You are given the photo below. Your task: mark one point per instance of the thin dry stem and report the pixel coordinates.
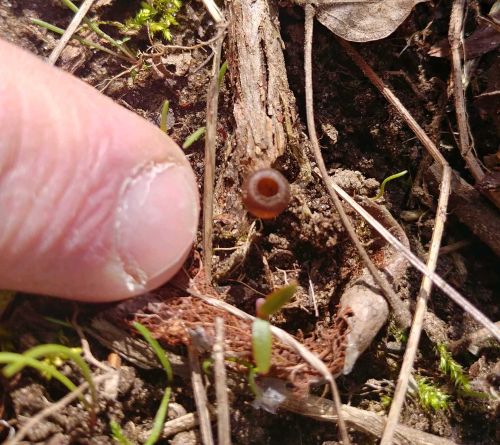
(420, 310)
(200, 397)
(365, 421)
(455, 39)
(426, 285)
(214, 11)
(186, 422)
(401, 312)
(393, 100)
(419, 265)
(70, 30)
(210, 145)
(54, 408)
(223, 424)
(312, 294)
(473, 341)
(87, 352)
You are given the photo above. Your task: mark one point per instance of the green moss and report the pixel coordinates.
(430, 396)
(157, 16)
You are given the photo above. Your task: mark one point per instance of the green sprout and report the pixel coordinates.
(449, 367)
(16, 362)
(121, 46)
(400, 335)
(261, 328)
(57, 360)
(386, 401)
(164, 113)
(161, 414)
(117, 433)
(385, 181)
(157, 16)
(192, 138)
(54, 352)
(222, 73)
(262, 343)
(430, 396)
(88, 43)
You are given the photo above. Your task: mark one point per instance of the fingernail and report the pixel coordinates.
(156, 223)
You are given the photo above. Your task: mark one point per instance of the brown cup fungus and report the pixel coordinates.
(266, 193)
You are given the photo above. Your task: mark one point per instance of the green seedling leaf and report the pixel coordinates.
(164, 113)
(159, 351)
(161, 414)
(160, 417)
(221, 74)
(117, 433)
(276, 300)
(262, 342)
(192, 138)
(385, 181)
(207, 365)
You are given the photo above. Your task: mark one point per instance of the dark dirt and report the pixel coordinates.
(363, 141)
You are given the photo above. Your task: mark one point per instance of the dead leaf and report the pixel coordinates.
(363, 22)
(484, 39)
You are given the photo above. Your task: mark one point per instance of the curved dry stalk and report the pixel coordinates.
(420, 310)
(426, 286)
(54, 408)
(210, 144)
(455, 38)
(214, 11)
(223, 425)
(403, 319)
(452, 293)
(401, 312)
(200, 396)
(70, 30)
(466, 143)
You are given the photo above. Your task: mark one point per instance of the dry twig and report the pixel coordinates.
(420, 310)
(473, 342)
(200, 397)
(214, 11)
(70, 30)
(87, 353)
(440, 219)
(54, 408)
(223, 425)
(210, 142)
(401, 312)
(368, 422)
(435, 278)
(455, 39)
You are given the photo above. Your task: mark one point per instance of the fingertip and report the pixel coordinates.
(97, 210)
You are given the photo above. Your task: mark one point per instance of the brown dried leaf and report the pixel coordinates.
(484, 39)
(363, 22)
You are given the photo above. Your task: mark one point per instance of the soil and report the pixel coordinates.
(363, 140)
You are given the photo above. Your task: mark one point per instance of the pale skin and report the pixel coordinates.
(96, 204)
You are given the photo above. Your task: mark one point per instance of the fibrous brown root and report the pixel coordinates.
(174, 317)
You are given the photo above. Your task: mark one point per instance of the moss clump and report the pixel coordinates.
(157, 16)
